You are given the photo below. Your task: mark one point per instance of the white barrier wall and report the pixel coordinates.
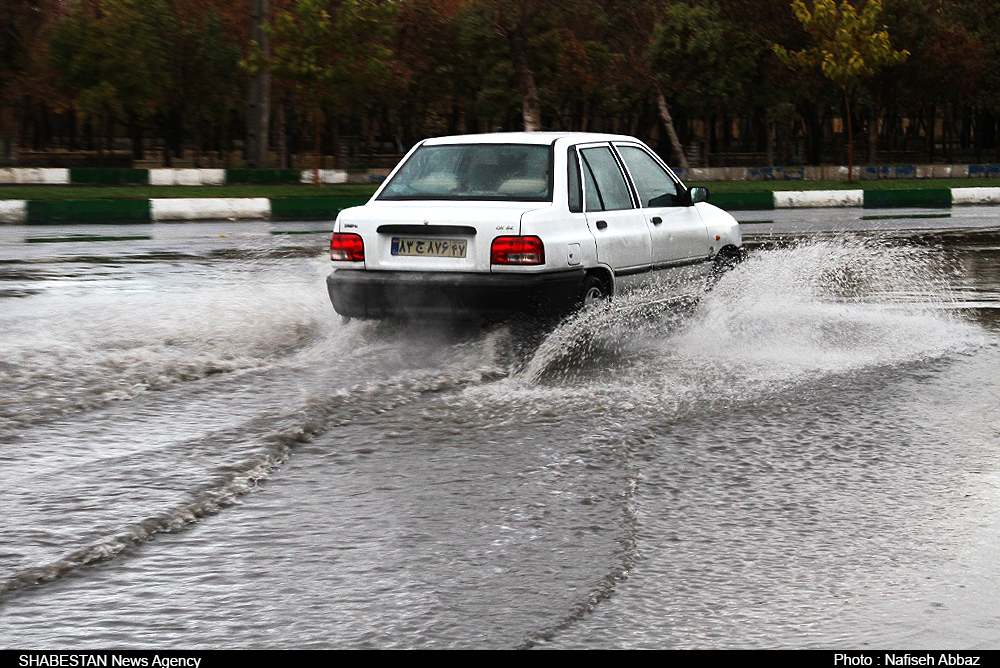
(13, 212)
(221, 208)
(325, 176)
(187, 177)
(975, 195)
(818, 198)
(27, 176)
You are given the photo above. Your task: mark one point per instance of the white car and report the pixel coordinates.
(485, 226)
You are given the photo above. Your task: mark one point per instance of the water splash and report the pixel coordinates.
(93, 350)
(818, 307)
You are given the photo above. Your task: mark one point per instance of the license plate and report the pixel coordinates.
(429, 247)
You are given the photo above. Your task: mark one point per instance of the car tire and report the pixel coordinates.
(594, 291)
(727, 259)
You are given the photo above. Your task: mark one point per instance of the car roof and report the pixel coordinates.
(526, 138)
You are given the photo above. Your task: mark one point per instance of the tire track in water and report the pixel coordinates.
(341, 408)
(854, 307)
(626, 364)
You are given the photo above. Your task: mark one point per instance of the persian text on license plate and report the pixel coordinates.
(429, 247)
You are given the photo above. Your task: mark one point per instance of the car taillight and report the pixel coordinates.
(347, 247)
(517, 250)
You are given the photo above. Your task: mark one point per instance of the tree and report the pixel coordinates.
(26, 81)
(983, 22)
(259, 87)
(430, 87)
(849, 47)
(324, 54)
(684, 34)
(518, 22)
(641, 18)
(109, 56)
(201, 58)
(19, 19)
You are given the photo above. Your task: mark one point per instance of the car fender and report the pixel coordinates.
(567, 238)
(723, 230)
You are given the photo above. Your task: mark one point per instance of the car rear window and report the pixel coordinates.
(500, 172)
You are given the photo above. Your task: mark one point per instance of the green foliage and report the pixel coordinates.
(200, 61)
(18, 19)
(112, 59)
(487, 64)
(404, 69)
(325, 54)
(848, 46)
(982, 19)
(699, 59)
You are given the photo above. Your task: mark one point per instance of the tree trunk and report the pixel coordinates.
(258, 91)
(668, 122)
(873, 134)
(931, 129)
(73, 144)
(531, 109)
(282, 127)
(948, 133)
(317, 118)
(335, 141)
(850, 138)
(135, 128)
(768, 140)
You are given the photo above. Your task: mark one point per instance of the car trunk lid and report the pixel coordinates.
(412, 236)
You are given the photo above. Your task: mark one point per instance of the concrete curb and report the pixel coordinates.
(47, 212)
(932, 198)
(41, 212)
(13, 212)
(221, 208)
(187, 177)
(975, 195)
(87, 211)
(327, 176)
(312, 208)
(918, 198)
(27, 176)
(818, 198)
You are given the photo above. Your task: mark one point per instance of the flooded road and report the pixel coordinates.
(198, 453)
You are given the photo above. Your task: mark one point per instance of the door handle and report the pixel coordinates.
(602, 225)
(656, 220)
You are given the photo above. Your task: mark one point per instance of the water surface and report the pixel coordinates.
(198, 453)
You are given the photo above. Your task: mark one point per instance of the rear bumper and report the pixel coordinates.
(383, 294)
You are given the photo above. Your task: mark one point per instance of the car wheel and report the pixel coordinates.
(727, 260)
(594, 291)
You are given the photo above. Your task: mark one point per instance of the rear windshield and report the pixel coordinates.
(518, 172)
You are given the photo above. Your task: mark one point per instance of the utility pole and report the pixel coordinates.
(259, 90)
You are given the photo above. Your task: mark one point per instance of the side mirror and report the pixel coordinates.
(698, 194)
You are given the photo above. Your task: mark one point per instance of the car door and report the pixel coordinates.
(676, 229)
(621, 231)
